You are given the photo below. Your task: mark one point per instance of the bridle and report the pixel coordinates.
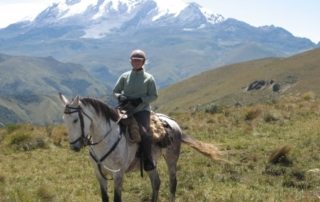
(87, 139)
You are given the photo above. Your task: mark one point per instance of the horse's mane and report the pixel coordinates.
(101, 108)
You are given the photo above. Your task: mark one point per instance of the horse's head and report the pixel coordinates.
(77, 121)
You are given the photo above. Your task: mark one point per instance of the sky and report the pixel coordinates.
(300, 17)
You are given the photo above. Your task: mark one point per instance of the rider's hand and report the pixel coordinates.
(135, 102)
(122, 98)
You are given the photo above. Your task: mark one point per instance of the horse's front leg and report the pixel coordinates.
(118, 181)
(104, 189)
(103, 184)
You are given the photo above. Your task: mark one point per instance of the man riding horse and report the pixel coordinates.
(135, 90)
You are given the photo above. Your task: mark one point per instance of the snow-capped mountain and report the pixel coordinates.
(99, 17)
(181, 39)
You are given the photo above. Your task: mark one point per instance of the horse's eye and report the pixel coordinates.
(75, 121)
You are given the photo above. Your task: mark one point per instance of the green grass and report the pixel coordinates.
(225, 85)
(54, 173)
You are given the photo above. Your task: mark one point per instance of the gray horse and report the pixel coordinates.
(92, 123)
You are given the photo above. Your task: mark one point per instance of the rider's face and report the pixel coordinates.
(137, 62)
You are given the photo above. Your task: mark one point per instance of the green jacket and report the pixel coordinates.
(137, 84)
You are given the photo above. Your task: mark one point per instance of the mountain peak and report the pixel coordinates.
(72, 2)
(97, 18)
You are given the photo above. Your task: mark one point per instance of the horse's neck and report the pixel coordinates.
(104, 131)
(124, 152)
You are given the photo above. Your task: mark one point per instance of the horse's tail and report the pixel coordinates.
(209, 150)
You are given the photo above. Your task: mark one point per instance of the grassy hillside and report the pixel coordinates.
(29, 87)
(226, 85)
(273, 151)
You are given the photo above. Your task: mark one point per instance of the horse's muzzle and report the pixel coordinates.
(76, 146)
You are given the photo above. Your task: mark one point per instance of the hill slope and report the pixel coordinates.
(227, 84)
(30, 86)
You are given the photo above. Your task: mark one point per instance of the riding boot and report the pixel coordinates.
(146, 145)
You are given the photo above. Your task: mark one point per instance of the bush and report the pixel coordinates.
(213, 109)
(45, 194)
(253, 114)
(309, 96)
(296, 179)
(25, 142)
(280, 156)
(272, 116)
(12, 127)
(58, 135)
(2, 178)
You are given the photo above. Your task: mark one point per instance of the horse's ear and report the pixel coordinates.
(64, 100)
(76, 100)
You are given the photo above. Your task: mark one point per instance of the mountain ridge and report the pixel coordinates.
(178, 43)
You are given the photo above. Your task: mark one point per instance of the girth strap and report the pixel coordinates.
(99, 161)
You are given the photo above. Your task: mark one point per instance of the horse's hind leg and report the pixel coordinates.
(155, 182)
(171, 156)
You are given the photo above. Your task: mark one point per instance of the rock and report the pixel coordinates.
(261, 84)
(256, 85)
(276, 87)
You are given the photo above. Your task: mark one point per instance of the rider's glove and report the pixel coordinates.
(135, 102)
(122, 98)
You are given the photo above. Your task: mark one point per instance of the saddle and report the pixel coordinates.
(159, 129)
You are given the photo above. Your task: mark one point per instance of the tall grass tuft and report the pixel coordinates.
(296, 178)
(272, 116)
(26, 142)
(12, 127)
(253, 114)
(213, 109)
(279, 155)
(309, 96)
(58, 135)
(45, 194)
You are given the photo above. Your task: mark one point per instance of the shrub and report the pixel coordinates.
(272, 116)
(49, 129)
(25, 142)
(3, 133)
(279, 156)
(12, 127)
(45, 194)
(253, 114)
(58, 135)
(296, 179)
(19, 138)
(213, 109)
(274, 170)
(309, 96)
(2, 178)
